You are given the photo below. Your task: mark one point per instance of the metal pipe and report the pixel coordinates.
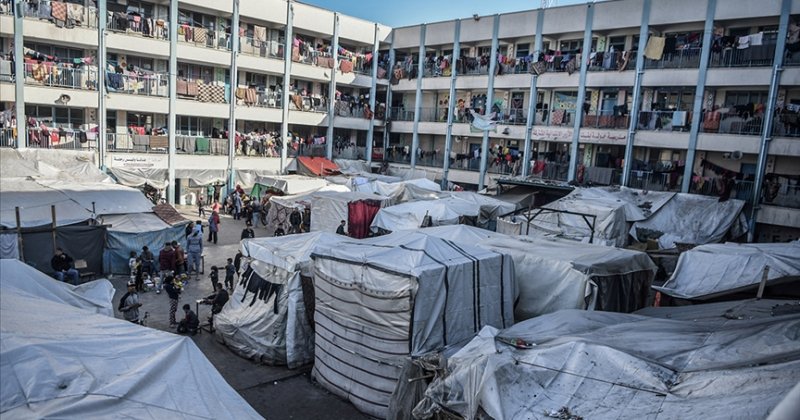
(766, 133)
(332, 88)
(232, 99)
(287, 71)
(697, 111)
(172, 117)
(418, 98)
(586, 49)
(489, 101)
(637, 95)
(372, 99)
(526, 154)
(451, 102)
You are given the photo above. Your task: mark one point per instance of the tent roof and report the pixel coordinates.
(74, 201)
(94, 296)
(292, 184)
(717, 268)
(318, 166)
(135, 222)
(611, 365)
(409, 215)
(50, 164)
(59, 360)
(346, 196)
(168, 214)
(290, 252)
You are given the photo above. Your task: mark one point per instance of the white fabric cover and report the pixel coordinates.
(247, 177)
(55, 164)
(9, 246)
(137, 177)
(61, 361)
(329, 208)
(446, 210)
(382, 299)
(94, 296)
(73, 201)
(554, 274)
(403, 191)
(134, 222)
(714, 268)
(292, 184)
(610, 365)
(256, 331)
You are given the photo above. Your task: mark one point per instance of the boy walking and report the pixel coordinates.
(230, 270)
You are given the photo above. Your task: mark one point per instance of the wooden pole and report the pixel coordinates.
(763, 284)
(53, 227)
(19, 236)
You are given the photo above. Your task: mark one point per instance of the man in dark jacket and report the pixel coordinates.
(295, 219)
(62, 265)
(248, 232)
(167, 260)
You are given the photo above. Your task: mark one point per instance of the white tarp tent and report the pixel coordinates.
(275, 330)
(710, 269)
(450, 209)
(288, 184)
(9, 245)
(382, 299)
(75, 201)
(62, 361)
(329, 208)
(403, 191)
(578, 364)
(53, 164)
(94, 296)
(554, 274)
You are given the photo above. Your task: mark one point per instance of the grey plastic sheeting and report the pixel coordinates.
(81, 242)
(609, 365)
(717, 268)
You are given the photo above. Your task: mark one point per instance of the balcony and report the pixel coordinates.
(159, 144)
(206, 38)
(606, 119)
(52, 74)
(754, 56)
(202, 90)
(265, 49)
(66, 15)
(134, 25)
(612, 61)
(686, 58)
(132, 83)
(739, 122)
(664, 121)
(52, 136)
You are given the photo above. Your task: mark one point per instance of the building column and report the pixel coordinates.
(19, 76)
(387, 120)
(526, 154)
(451, 103)
(489, 101)
(332, 88)
(234, 72)
(418, 97)
(766, 132)
(699, 93)
(372, 93)
(586, 49)
(102, 141)
(637, 94)
(287, 71)
(172, 125)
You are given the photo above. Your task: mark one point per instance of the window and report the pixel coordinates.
(60, 52)
(745, 97)
(255, 79)
(111, 121)
(137, 119)
(143, 9)
(618, 42)
(523, 50)
(635, 45)
(69, 117)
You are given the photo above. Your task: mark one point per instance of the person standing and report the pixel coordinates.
(62, 265)
(213, 226)
(148, 261)
(237, 206)
(307, 220)
(189, 229)
(295, 219)
(216, 206)
(256, 211)
(201, 203)
(214, 276)
(180, 259)
(237, 262)
(174, 294)
(129, 304)
(194, 247)
(230, 270)
(166, 263)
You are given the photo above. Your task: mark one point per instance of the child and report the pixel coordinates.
(133, 263)
(230, 270)
(214, 276)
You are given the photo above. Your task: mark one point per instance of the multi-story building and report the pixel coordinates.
(694, 96)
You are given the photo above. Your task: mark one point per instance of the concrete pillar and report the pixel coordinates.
(287, 71)
(19, 76)
(372, 94)
(637, 94)
(173, 80)
(489, 101)
(418, 98)
(102, 142)
(387, 120)
(576, 130)
(332, 88)
(451, 103)
(526, 155)
(234, 71)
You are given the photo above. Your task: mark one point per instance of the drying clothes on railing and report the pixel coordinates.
(346, 66)
(207, 92)
(655, 48)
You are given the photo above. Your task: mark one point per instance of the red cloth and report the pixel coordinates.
(360, 215)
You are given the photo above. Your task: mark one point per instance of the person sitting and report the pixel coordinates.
(341, 229)
(190, 322)
(218, 299)
(63, 266)
(279, 230)
(248, 232)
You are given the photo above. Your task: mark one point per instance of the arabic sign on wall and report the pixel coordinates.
(130, 162)
(586, 135)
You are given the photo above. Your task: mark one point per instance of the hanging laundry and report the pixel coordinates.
(744, 42)
(59, 11)
(259, 35)
(756, 39)
(655, 48)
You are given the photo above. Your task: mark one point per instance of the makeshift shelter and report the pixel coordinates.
(403, 191)
(714, 269)
(286, 185)
(280, 207)
(54, 164)
(94, 296)
(315, 166)
(384, 299)
(130, 232)
(708, 363)
(275, 329)
(553, 274)
(453, 208)
(63, 361)
(329, 208)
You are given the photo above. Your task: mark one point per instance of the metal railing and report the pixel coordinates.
(152, 84)
(308, 103)
(605, 119)
(742, 190)
(754, 56)
(146, 27)
(784, 194)
(76, 15)
(664, 121)
(612, 61)
(685, 58)
(202, 37)
(732, 123)
(649, 180)
(267, 49)
(59, 75)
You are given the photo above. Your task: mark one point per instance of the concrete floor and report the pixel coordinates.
(276, 392)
